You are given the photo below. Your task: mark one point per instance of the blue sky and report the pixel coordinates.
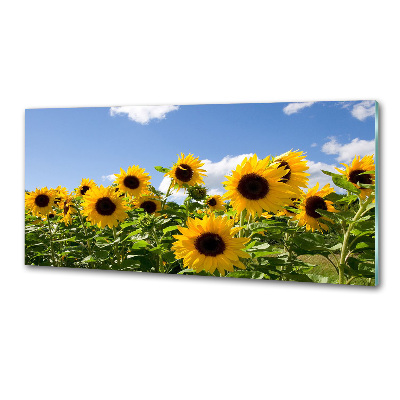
(62, 146)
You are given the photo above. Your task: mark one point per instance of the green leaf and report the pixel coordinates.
(126, 224)
(261, 246)
(344, 184)
(298, 277)
(247, 274)
(330, 173)
(89, 259)
(140, 244)
(162, 169)
(130, 263)
(169, 229)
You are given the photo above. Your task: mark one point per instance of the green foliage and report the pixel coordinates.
(278, 247)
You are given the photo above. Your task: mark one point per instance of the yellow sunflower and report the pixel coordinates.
(40, 201)
(61, 193)
(256, 186)
(86, 184)
(103, 207)
(285, 212)
(209, 244)
(311, 202)
(354, 173)
(134, 181)
(149, 204)
(215, 203)
(52, 215)
(187, 171)
(295, 165)
(67, 210)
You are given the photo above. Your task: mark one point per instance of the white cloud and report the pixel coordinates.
(314, 144)
(293, 108)
(216, 172)
(176, 196)
(109, 177)
(363, 110)
(143, 114)
(317, 176)
(346, 152)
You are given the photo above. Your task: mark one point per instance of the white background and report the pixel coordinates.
(69, 334)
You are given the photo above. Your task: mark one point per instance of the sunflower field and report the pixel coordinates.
(267, 225)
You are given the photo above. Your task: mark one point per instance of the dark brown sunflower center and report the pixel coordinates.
(358, 176)
(212, 202)
(131, 182)
(253, 186)
(84, 189)
(51, 215)
(66, 208)
(42, 200)
(149, 206)
(184, 172)
(285, 177)
(314, 203)
(105, 206)
(210, 244)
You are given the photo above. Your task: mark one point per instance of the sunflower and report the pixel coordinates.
(61, 193)
(311, 202)
(134, 181)
(103, 207)
(354, 173)
(52, 215)
(215, 203)
(209, 244)
(286, 212)
(187, 171)
(256, 186)
(149, 204)
(67, 210)
(295, 165)
(86, 184)
(40, 201)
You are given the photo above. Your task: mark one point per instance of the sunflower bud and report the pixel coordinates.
(197, 192)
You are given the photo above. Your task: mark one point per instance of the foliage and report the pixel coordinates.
(279, 248)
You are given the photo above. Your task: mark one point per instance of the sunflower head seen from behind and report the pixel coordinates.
(295, 165)
(255, 185)
(149, 204)
(209, 244)
(61, 193)
(311, 202)
(355, 173)
(84, 187)
(67, 210)
(187, 171)
(215, 203)
(40, 201)
(134, 181)
(103, 207)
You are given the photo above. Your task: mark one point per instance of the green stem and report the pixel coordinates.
(345, 245)
(241, 223)
(116, 245)
(166, 196)
(160, 265)
(350, 280)
(86, 237)
(53, 258)
(249, 220)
